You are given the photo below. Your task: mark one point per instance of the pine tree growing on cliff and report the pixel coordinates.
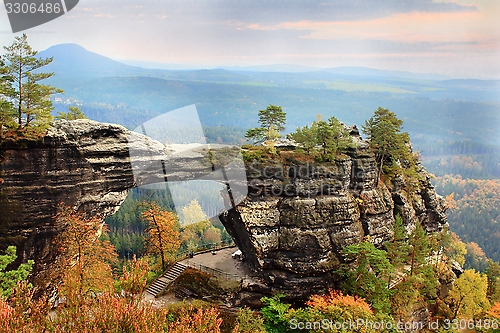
(367, 274)
(386, 139)
(30, 99)
(7, 112)
(306, 137)
(398, 248)
(272, 121)
(419, 249)
(74, 113)
(331, 136)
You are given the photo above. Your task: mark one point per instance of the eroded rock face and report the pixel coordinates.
(291, 227)
(87, 165)
(297, 218)
(83, 164)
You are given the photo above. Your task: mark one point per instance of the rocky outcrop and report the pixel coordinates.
(291, 226)
(298, 217)
(82, 164)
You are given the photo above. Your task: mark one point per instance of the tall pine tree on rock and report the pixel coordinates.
(29, 100)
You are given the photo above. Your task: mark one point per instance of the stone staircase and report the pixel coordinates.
(166, 279)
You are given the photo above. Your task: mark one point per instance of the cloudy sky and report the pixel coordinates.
(459, 38)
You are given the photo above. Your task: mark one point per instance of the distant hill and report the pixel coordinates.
(433, 108)
(284, 68)
(73, 64)
(371, 72)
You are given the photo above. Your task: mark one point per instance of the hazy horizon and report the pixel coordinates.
(459, 38)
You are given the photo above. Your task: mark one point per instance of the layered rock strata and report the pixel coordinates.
(291, 226)
(298, 217)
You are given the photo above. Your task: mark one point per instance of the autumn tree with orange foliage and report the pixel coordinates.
(495, 310)
(162, 232)
(334, 307)
(197, 320)
(24, 313)
(134, 278)
(338, 305)
(85, 258)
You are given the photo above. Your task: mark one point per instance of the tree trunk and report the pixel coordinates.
(20, 109)
(379, 171)
(160, 244)
(412, 261)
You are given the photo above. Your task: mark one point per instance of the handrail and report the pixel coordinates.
(204, 248)
(215, 272)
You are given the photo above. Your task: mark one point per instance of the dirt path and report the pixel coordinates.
(223, 261)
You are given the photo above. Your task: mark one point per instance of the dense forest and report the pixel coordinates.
(127, 226)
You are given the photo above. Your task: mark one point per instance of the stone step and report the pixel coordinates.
(164, 280)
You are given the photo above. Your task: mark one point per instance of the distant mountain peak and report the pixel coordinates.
(67, 46)
(74, 61)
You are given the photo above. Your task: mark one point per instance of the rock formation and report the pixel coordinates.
(291, 227)
(297, 218)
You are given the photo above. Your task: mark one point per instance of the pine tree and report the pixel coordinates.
(272, 121)
(30, 99)
(367, 275)
(387, 140)
(7, 112)
(305, 136)
(398, 249)
(331, 136)
(325, 137)
(419, 249)
(74, 113)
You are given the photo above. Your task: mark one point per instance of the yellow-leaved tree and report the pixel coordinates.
(468, 297)
(193, 213)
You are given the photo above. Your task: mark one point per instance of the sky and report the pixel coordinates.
(457, 38)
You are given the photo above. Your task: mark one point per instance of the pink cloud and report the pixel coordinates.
(408, 27)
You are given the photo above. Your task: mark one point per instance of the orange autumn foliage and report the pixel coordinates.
(6, 311)
(199, 320)
(495, 310)
(85, 261)
(336, 301)
(162, 232)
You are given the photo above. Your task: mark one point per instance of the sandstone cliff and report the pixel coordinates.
(297, 218)
(291, 227)
(87, 165)
(83, 164)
